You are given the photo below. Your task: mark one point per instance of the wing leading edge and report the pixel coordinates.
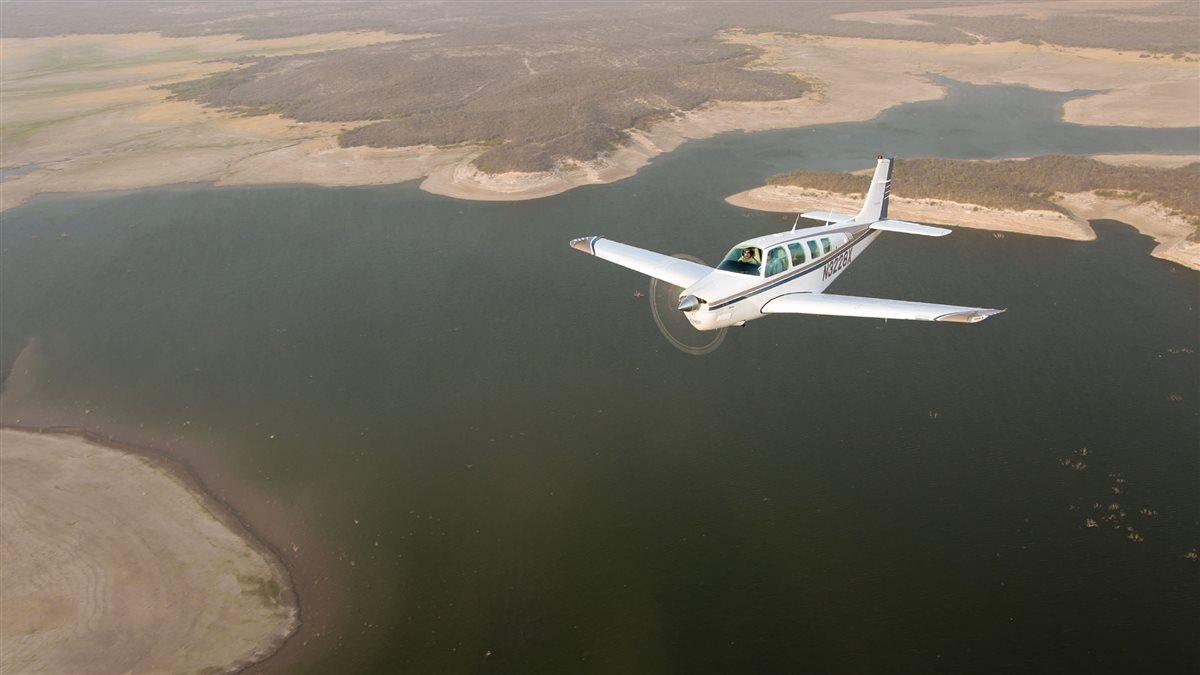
(878, 308)
(681, 273)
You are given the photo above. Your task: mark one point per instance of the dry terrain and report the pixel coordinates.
(522, 101)
(110, 562)
(848, 87)
(86, 112)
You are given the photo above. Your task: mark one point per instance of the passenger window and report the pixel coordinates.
(797, 252)
(777, 261)
(812, 249)
(826, 245)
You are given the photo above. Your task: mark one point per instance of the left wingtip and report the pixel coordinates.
(585, 244)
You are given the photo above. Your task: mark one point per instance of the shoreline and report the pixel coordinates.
(1171, 232)
(226, 515)
(223, 148)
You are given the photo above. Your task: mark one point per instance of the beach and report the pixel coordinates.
(113, 560)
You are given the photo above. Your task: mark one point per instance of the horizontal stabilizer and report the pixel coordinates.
(674, 271)
(909, 228)
(827, 216)
(846, 305)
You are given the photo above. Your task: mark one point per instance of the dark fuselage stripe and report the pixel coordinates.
(793, 274)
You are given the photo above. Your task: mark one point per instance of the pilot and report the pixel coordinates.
(748, 256)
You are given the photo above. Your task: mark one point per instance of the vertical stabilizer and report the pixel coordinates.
(876, 206)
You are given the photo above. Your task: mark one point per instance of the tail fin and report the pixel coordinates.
(876, 206)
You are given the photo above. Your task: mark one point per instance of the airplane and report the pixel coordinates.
(793, 275)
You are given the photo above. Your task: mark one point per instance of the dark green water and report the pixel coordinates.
(477, 441)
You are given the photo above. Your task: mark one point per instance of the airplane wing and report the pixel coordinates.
(827, 216)
(681, 273)
(909, 228)
(847, 305)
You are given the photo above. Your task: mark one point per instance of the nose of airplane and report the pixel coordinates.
(689, 303)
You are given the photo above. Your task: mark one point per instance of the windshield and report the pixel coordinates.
(742, 259)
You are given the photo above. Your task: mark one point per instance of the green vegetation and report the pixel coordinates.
(1022, 184)
(265, 590)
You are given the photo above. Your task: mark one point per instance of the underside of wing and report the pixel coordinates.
(909, 228)
(878, 308)
(827, 216)
(681, 273)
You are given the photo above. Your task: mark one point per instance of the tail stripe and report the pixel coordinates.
(876, 205)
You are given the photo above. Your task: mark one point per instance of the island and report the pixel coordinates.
(1053, 195)
(114, 560)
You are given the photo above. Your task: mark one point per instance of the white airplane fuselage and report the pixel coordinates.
(732, 298)
(788, 272)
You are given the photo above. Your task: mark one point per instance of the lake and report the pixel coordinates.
(477, 453)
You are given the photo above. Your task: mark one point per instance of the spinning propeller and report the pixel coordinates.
(669, 312)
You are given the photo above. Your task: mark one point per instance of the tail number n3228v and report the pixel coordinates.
(837, 263)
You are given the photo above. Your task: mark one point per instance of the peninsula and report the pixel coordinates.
(114, 561)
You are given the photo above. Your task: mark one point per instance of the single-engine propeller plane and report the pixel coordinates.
(788, 272)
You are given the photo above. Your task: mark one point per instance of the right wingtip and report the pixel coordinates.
(972, 316)
(585, 244)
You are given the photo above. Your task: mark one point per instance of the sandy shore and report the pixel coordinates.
(112, 561)
(106, 126)
(106, 123)
(790, 199)
(1155, 161)
(1170, 231)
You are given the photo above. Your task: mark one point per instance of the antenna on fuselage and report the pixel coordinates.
(796, 223)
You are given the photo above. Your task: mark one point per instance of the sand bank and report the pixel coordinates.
(105, 123)
(1154, 161)
(111, 561)
(1172, 232)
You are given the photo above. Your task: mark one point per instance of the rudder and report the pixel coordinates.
(876, 206)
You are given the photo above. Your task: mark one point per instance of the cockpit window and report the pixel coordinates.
(776, 261)
(743, 259)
